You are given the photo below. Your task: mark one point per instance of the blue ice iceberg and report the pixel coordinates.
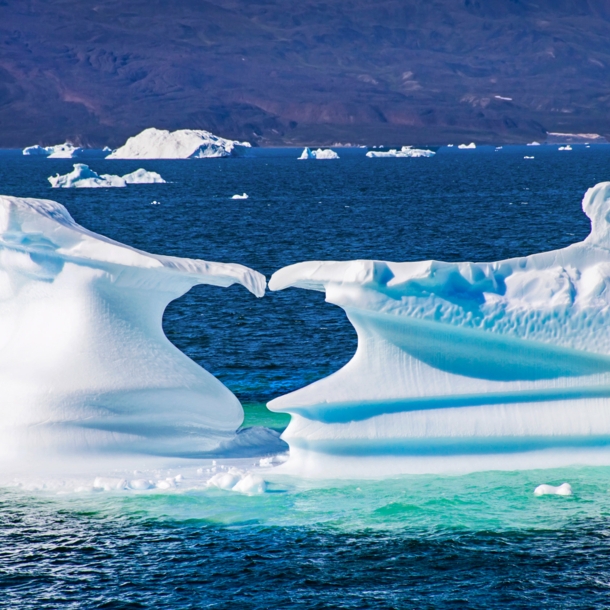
(464, 365)
(85, 368)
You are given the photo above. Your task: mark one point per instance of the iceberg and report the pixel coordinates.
(318, 154)
(182, 144)
(463, 366)
(242, 196)
(565, 489)
(467, 146)
(59, 151)
(566, 147)
(404, 152)
(85, 368)
(84, 177)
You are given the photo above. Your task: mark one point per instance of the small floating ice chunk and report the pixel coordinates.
(242, 196)
(239, 481)
(404, 152)
(534, 143)
(31, 151)
(566, 147)
(467, 146)
(82, 176)
(109, 484)
(319, 154)
(565, 489)
(526, 157)
(140, 484)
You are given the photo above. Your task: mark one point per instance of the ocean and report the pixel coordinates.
(481, 540)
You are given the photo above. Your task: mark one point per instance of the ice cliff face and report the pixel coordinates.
(464, 359)
(85, 368)
(59, 151)
(182, 144)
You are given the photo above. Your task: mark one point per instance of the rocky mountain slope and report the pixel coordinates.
(304, 71)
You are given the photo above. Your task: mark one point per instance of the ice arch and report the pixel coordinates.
(85, 367)
(464, 365)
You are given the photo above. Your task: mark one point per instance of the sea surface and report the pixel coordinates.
(481, 540)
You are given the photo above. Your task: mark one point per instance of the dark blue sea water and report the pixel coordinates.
(478, 541)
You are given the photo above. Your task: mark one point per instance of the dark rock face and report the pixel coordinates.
(304, 71)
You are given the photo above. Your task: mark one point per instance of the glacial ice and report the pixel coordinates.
(59, 151)
(404, 152)
(467, 146)
(242, 196)
(85, 368)
(182, 144)
(565, 489)
(566, 147)
(319, 154)
(84, 177)
(238, 480)
(463, 366)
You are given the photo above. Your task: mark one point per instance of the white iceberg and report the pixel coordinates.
(528, 157)
(182, 144)
(238, 480)
(565, 489)
(467, 146)
(59, 151)
(534, 143)
(85, 368)
(463, 366)
(566, 147)
(404, 152)
(318, 154)
(84, 177)
(242, 196)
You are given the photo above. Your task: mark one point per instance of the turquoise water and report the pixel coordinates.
(480, 540)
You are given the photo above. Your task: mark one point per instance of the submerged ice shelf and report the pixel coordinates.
(464, 365)
(85, 367)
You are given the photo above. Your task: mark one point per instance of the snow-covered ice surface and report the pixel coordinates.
(85, 368)
(82, 176)
(59, 151)
(181, 144)
(320, 154)
(462, 366)
(404, 152)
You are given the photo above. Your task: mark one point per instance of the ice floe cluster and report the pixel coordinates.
(181, 144)
(320, 153)
(82, 176)
(59, 151)
(404, 152)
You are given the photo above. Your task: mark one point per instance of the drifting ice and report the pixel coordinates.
(85, 368)
(182, 144)
(565, 489)
(405, 151)
(318, 154)
(59, 151)
(84, 177)
(501, 364)
(467, 146)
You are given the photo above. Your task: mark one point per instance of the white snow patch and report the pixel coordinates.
(182, 144)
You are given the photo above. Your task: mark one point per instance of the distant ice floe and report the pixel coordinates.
(319, 154)
(182, 144)
(85, 368)
(566, 147)
(467, 146)
(242, 196)
(565, 489)
(462, 366)
(528, 157)
(59, 151)
(84, 177)
(404, 152)
(534, 143)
